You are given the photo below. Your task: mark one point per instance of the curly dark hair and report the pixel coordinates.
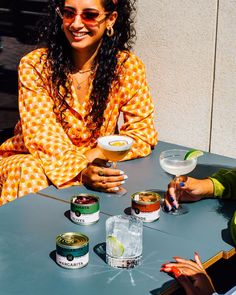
(60, 58)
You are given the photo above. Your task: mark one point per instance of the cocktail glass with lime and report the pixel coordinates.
(124, 241)
(115, 148)
(179, 162)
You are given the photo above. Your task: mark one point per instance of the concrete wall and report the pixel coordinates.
(189, 49)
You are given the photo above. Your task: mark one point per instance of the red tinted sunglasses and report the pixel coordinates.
(88, 16)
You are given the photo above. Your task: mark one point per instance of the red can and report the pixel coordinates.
(146, 205)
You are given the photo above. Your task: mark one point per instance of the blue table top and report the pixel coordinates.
(30, 225)
(207, 220)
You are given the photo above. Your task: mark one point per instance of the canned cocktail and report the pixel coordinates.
(146, 206)
(84, 209)
(124, 243)
(72, 250)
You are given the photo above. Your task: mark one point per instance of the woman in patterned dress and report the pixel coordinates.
(71, 92)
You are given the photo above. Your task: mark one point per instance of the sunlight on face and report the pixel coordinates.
(81, 35)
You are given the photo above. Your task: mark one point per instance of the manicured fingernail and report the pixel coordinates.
(176, 271)
(172, 198)
(125, 176)
(175, 206)
(115, 189)
(196, 255)
(181, 184)
(122, 182)
(176, 257)
(163, 265)
(122, 172)
(167, 208)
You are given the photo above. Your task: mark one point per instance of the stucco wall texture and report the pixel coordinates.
(189, 49)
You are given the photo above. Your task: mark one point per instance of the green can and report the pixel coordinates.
(84, 209)
(72, 250)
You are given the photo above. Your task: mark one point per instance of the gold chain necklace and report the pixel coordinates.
(79, 84)
(85, 71)
(91, 70)
(78, 87)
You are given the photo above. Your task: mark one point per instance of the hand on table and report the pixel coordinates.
(186, 189)
(99, 176)
(191, 275)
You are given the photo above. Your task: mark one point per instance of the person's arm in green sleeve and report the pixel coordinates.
(225, 183)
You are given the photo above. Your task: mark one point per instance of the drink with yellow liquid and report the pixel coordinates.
(115, 148)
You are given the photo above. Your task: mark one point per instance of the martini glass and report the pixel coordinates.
(172, 162)
(114, 148)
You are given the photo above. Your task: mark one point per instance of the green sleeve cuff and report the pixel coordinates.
(233, 228)
(218, 187)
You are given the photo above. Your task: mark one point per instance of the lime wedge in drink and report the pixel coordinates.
(115, 246)
(192, 154)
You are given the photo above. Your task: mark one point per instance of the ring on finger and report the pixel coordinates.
(100, 173)
(182, 178)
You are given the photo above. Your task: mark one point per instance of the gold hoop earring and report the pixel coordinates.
(110, 31)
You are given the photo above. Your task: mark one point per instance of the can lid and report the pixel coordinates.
(146, 197)
(71, 240)
(85, 198)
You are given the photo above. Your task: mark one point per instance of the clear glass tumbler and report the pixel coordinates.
(124, 241)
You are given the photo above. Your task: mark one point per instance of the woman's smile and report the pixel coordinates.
(79, 35)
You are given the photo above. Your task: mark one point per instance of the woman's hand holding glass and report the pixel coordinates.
(99, 175)
(187, 189)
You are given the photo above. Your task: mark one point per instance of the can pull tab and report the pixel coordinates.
(68, 240)
(136, 198)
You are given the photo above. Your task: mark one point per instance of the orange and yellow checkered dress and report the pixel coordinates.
(44, 152)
